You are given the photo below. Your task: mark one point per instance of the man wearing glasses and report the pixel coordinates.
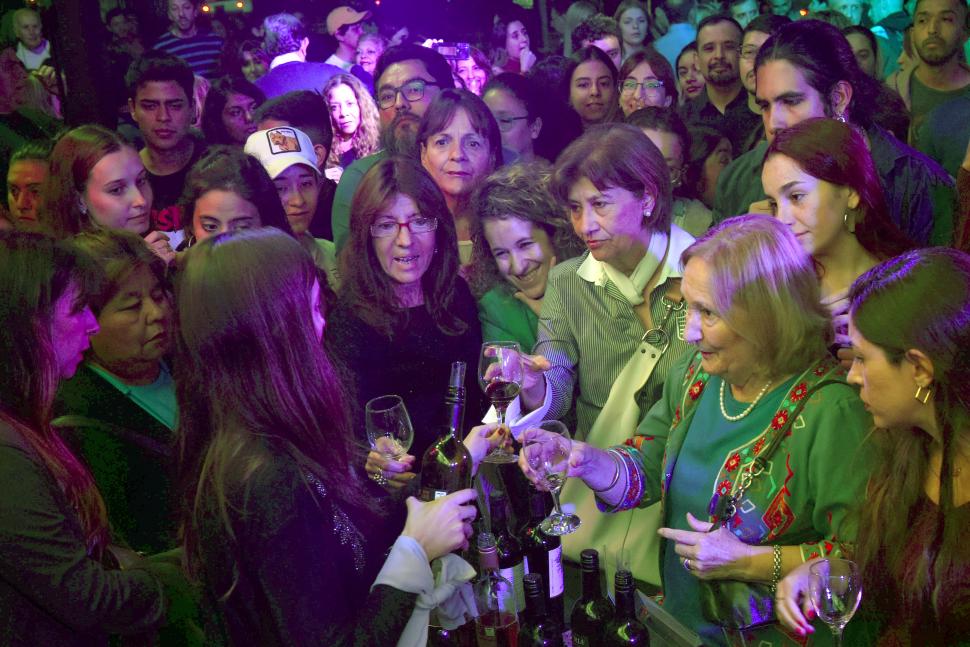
(407, 79)
(755, 35)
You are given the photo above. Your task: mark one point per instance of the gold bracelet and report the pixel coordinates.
(776, 567)
(616, 476)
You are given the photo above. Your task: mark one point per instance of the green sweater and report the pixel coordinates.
(505, 318)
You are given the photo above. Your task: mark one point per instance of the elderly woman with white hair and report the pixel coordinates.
(753, 447)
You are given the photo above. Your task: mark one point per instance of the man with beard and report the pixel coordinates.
(939, 33)
(201, 50)
(723, 105)
(755, 34)
(408, 78)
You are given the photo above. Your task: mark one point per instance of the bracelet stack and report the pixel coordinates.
(616, 474)
(775, 568)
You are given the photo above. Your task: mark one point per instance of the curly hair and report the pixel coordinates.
(517, 191)
(366, 139)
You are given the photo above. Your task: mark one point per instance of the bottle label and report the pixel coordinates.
(429, 494)
(556, 584)
(515, 575)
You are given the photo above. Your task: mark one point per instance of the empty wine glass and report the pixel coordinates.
(500, 376)
(835, 587)
(547, 449)
(389, 427)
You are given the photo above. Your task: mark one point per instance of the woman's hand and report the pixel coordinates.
(533, 391)
(838, 307)
(443, 525)
(481, 440)
(593, 465)
(717, 555)
(391, 474)
(792, 603)
(526, 60)
(157, 241)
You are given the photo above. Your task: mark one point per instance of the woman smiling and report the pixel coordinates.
(522, 233)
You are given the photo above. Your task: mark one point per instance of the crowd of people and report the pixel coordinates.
(730, 238)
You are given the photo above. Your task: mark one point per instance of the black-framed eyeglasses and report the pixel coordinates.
(389, 228)
(505, 124)
(650, 85)
(413, 90)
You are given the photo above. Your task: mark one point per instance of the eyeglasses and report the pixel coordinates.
(413, 90)
(748, 52)
(389, 228)
(505, 124)
(650, 85)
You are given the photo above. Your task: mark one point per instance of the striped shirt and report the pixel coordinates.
(588, 332)
(201, 51)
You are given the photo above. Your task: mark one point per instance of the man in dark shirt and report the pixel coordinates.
(286, 42)
(201, 50)
(160, 100)
(723, 105)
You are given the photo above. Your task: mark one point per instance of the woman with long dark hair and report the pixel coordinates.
(821, 181)
(54, 586)
(279, 523)
(589, 86)
(910, 329)
(228, 190)
(227, 117)
(403, 311)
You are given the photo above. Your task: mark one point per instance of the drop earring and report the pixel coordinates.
(923, 394)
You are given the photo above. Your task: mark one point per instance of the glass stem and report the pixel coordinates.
(837, 632)
(556, 509)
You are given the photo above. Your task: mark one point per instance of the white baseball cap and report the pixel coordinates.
(277, 149)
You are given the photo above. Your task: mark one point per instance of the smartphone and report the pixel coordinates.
(452, 51)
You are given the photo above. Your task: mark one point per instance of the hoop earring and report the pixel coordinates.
(840, 116)
(923, 394)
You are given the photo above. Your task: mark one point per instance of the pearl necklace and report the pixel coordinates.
(751, 406)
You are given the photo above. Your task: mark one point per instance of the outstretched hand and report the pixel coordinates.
(709, 555)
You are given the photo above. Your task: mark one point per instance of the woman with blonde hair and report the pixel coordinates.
(753, 447)
(355, 120)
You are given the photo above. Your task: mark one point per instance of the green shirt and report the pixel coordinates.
(505, 318)
(923, 100)
(157, 398)
(344, 195)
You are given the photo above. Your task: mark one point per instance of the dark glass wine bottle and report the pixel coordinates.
(538, 628)
(543, 555)
(497, 624)
(593, 610)
(510, 556)
(624, 629)
(447, 466)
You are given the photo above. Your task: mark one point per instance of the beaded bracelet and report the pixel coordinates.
(616, 475)
(776, 567)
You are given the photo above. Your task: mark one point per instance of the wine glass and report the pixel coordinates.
(835, 587)
(547, 449)
(500, 376)
(389, 427)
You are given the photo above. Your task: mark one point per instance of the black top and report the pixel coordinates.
(737, 122)
(301, 565)
(415, 364)
(167, 189)
(51, 591)
(130, 454)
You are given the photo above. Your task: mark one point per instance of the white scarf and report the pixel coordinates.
(631, 287)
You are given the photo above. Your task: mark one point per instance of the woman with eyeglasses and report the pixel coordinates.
(403, 314)
(515, 104)
(646, 79)
(670, 135)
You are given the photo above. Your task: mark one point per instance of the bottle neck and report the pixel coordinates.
(625, 607)
(535, 606)
(537, 508)
(591, 584)
(488, 560)
(455, 411)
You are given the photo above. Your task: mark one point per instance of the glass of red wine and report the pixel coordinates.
(500, 376)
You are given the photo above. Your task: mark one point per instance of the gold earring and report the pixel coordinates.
(923, 394)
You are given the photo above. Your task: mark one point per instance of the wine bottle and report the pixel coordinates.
(511, 560)
(624, 629)
(538, 628)
(497, 623)
(543, 555)
(446, 466)
(593, 610)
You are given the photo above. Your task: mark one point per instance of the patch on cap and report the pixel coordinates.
(283, 140)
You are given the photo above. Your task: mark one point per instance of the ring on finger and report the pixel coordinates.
(687, 563)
